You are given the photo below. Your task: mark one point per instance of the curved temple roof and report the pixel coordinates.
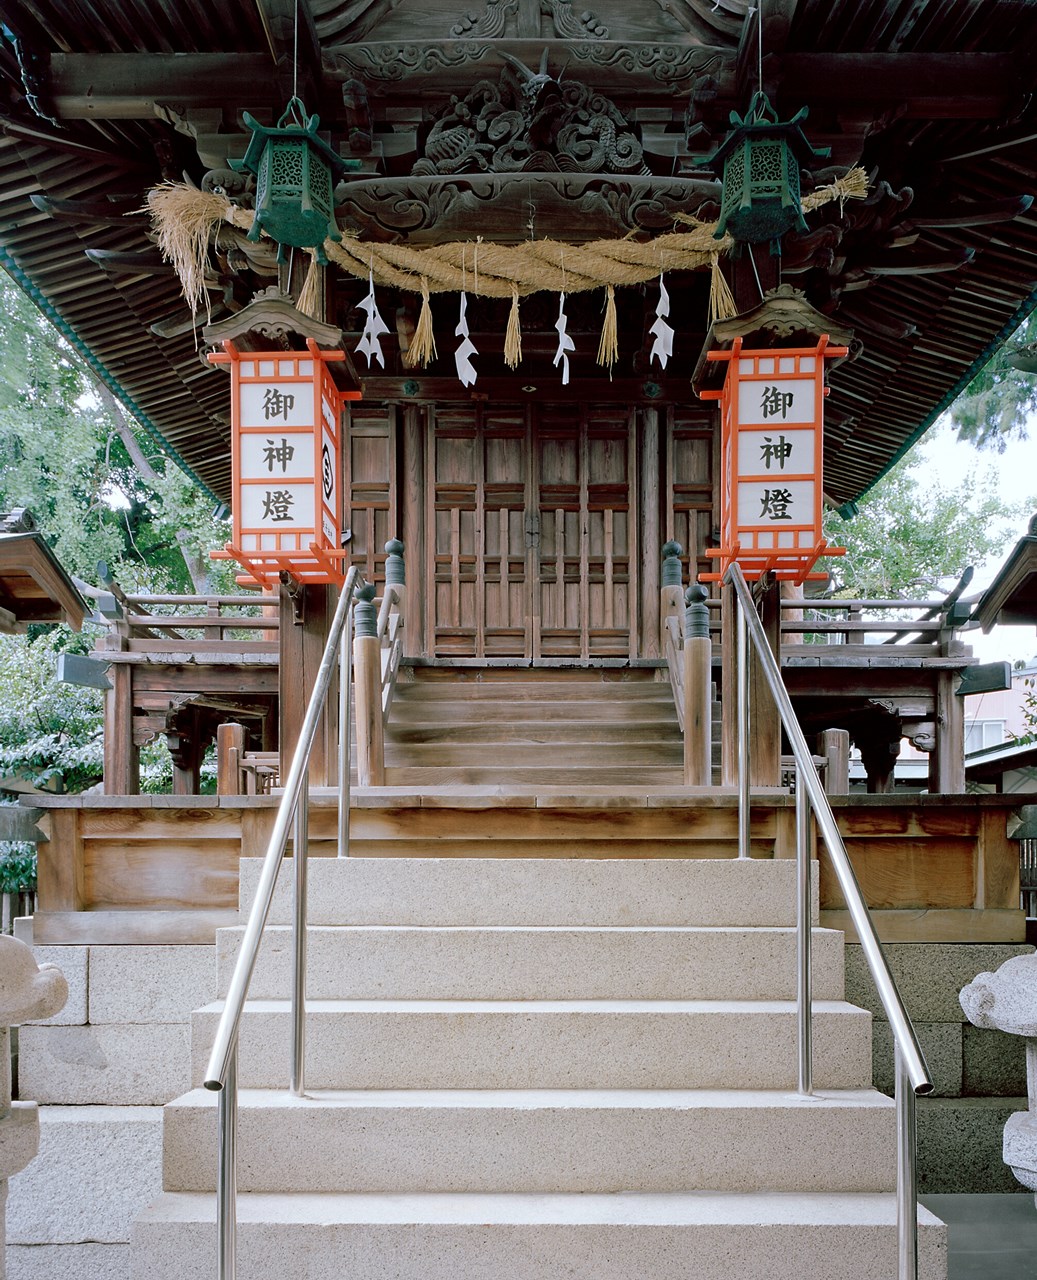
(935, 100)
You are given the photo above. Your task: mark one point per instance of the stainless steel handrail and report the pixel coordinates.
(221, 1072)
(912, 1074)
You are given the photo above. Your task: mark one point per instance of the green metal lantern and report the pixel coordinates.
(295, 174)
(762, 158)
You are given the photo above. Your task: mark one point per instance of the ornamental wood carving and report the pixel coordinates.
(449, 66)
(584, 206)
(530, 122)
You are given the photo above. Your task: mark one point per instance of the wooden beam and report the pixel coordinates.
(285, 43)
(965, 85)
(128, 86)
(418, 389)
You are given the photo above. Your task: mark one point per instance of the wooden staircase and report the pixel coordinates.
(517, 727)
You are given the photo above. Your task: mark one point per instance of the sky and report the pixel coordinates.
(1015, 472)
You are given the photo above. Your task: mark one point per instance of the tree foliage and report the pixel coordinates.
(97, 486)
(996, 405)
(99, 489)
(913, 535)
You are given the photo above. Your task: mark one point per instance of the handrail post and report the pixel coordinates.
(671, 584)
(226, 1172)
(804, 925)
(396, 575)
(297, 1081)
(698, 662)
(742, 651)
(370, 747)
(907, 1187)
(345, 676)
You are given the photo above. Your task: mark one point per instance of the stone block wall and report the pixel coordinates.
(980, 1075)
(101, 1069)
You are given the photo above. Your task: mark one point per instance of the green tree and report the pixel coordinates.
(913, 534)
(98, 487)
(997, 404)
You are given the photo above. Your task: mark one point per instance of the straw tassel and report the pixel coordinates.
(310, 293)
(721, 299)
(423, 344)
(608, 347)
(513, 335)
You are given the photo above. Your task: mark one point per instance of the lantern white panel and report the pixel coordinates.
(279, 507)
(277, 456)
(776, 452)
(329, 476)
(775, 402)
(775, 504)
(276, 404)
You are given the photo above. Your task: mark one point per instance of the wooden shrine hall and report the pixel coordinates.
(530, 224)
(530, 342)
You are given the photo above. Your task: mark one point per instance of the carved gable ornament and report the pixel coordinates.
(531, 122)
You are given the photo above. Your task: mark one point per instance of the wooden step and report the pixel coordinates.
(459, 710)
(519, 755)
(642, 775)
(530, 733)
(537, 690)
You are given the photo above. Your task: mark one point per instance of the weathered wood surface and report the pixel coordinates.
(934, 868)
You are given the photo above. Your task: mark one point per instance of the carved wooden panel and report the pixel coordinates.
(532, 532)
(585, 594)
(478, 464)
(370, 485)
(690, 448)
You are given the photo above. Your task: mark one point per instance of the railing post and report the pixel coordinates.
(835, 747)
(742, 666)
(226, 1172)
(698, 663)
(396, 575)
(300, 861)
(671, 598)
(345, 679)
(370, 740)
(907, 1187)
(230, 746)
(804, 924)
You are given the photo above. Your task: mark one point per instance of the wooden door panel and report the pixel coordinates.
(689, 484)
(533, 533)
(585, 494)
(370, 486)
(478, 481)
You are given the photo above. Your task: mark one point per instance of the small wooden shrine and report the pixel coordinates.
(526, 224)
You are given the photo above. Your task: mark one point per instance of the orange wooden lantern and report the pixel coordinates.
(771, 438)
(286, 414)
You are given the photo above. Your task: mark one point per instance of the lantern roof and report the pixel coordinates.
(761, 121)
(292, 126)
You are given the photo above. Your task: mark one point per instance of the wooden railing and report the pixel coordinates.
(192, 624)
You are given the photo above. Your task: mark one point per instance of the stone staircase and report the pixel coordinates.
(540, 1068)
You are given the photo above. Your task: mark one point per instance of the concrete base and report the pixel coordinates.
(68, 1262)
(97, 1168)
(539, 1044)
(530, 1237)
(540, 1140)
(960, 1145)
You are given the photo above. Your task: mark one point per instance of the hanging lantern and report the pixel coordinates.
(285, 446)
(771, 435)
(295, 174)
(762, 158)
